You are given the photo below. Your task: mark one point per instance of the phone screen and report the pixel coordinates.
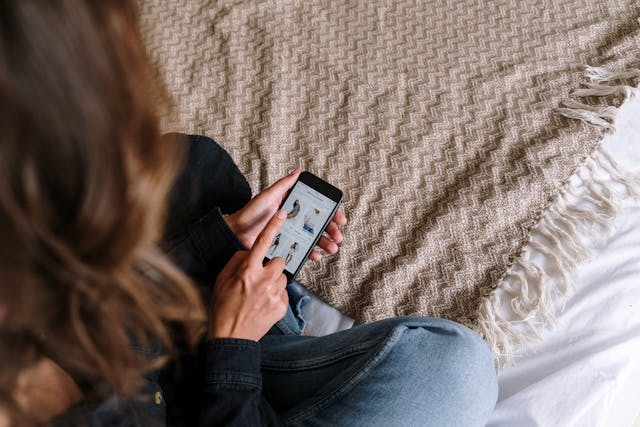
(307, 212)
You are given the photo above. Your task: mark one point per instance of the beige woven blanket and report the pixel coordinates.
(436, 118)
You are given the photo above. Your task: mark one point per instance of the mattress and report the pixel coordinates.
(586, 371)
(318, 84)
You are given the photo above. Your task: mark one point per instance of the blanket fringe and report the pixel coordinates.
(527, 291)
(598, 86)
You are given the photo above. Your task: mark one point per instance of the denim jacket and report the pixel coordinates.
(230, 390)
(220, 384)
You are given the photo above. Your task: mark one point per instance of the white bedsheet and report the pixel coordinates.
(586, 372)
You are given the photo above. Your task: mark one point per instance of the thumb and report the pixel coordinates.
(284, 184)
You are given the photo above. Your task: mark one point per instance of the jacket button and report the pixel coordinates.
(157, 398)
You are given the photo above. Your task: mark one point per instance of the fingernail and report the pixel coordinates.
(293, 171)
(281, 214)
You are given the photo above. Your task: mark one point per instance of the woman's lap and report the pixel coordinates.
(411, 371)
(399, 371)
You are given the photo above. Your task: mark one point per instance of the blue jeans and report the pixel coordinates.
(406, 371)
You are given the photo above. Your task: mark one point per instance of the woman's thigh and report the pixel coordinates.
(400, 372)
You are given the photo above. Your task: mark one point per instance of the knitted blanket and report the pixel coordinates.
(449, 125)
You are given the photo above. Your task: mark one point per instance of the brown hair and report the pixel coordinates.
(84, 178)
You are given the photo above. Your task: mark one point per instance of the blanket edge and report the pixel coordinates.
(527, 285)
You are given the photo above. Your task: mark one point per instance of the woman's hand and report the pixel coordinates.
(249, 298)
(249, 221)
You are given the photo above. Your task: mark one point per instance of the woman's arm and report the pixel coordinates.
(249, 298)
(233, 386)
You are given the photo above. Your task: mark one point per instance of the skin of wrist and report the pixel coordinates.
(215, 330)
(231, 222)
(234, 224)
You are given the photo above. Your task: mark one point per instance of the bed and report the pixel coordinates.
(586, 371)
(440, 121)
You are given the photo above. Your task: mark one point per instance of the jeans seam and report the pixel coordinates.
(318, 362)
(351, 381)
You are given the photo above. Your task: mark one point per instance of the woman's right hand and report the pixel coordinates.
(248, 297)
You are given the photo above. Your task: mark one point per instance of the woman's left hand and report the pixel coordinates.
(248, 222)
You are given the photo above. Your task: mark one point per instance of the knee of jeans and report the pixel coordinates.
(460, 356)
(468, 361)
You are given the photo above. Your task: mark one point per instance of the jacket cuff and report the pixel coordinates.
(234, 362)
(212, 250)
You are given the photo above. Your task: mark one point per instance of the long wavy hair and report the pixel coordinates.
(84, 178)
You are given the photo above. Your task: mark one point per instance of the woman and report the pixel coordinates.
(275, 244)
(91, 308)
(292, 250)
(295, 210)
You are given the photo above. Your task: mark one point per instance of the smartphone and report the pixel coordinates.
(310, 206)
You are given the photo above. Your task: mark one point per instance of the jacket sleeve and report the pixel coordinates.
(233, 386)
(232, 391)
(204, 249)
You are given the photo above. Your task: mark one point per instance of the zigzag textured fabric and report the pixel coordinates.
(436, 118)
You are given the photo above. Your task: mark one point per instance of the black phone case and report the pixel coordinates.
(325, 189)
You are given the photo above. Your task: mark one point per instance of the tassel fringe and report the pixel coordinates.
(542, 273)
